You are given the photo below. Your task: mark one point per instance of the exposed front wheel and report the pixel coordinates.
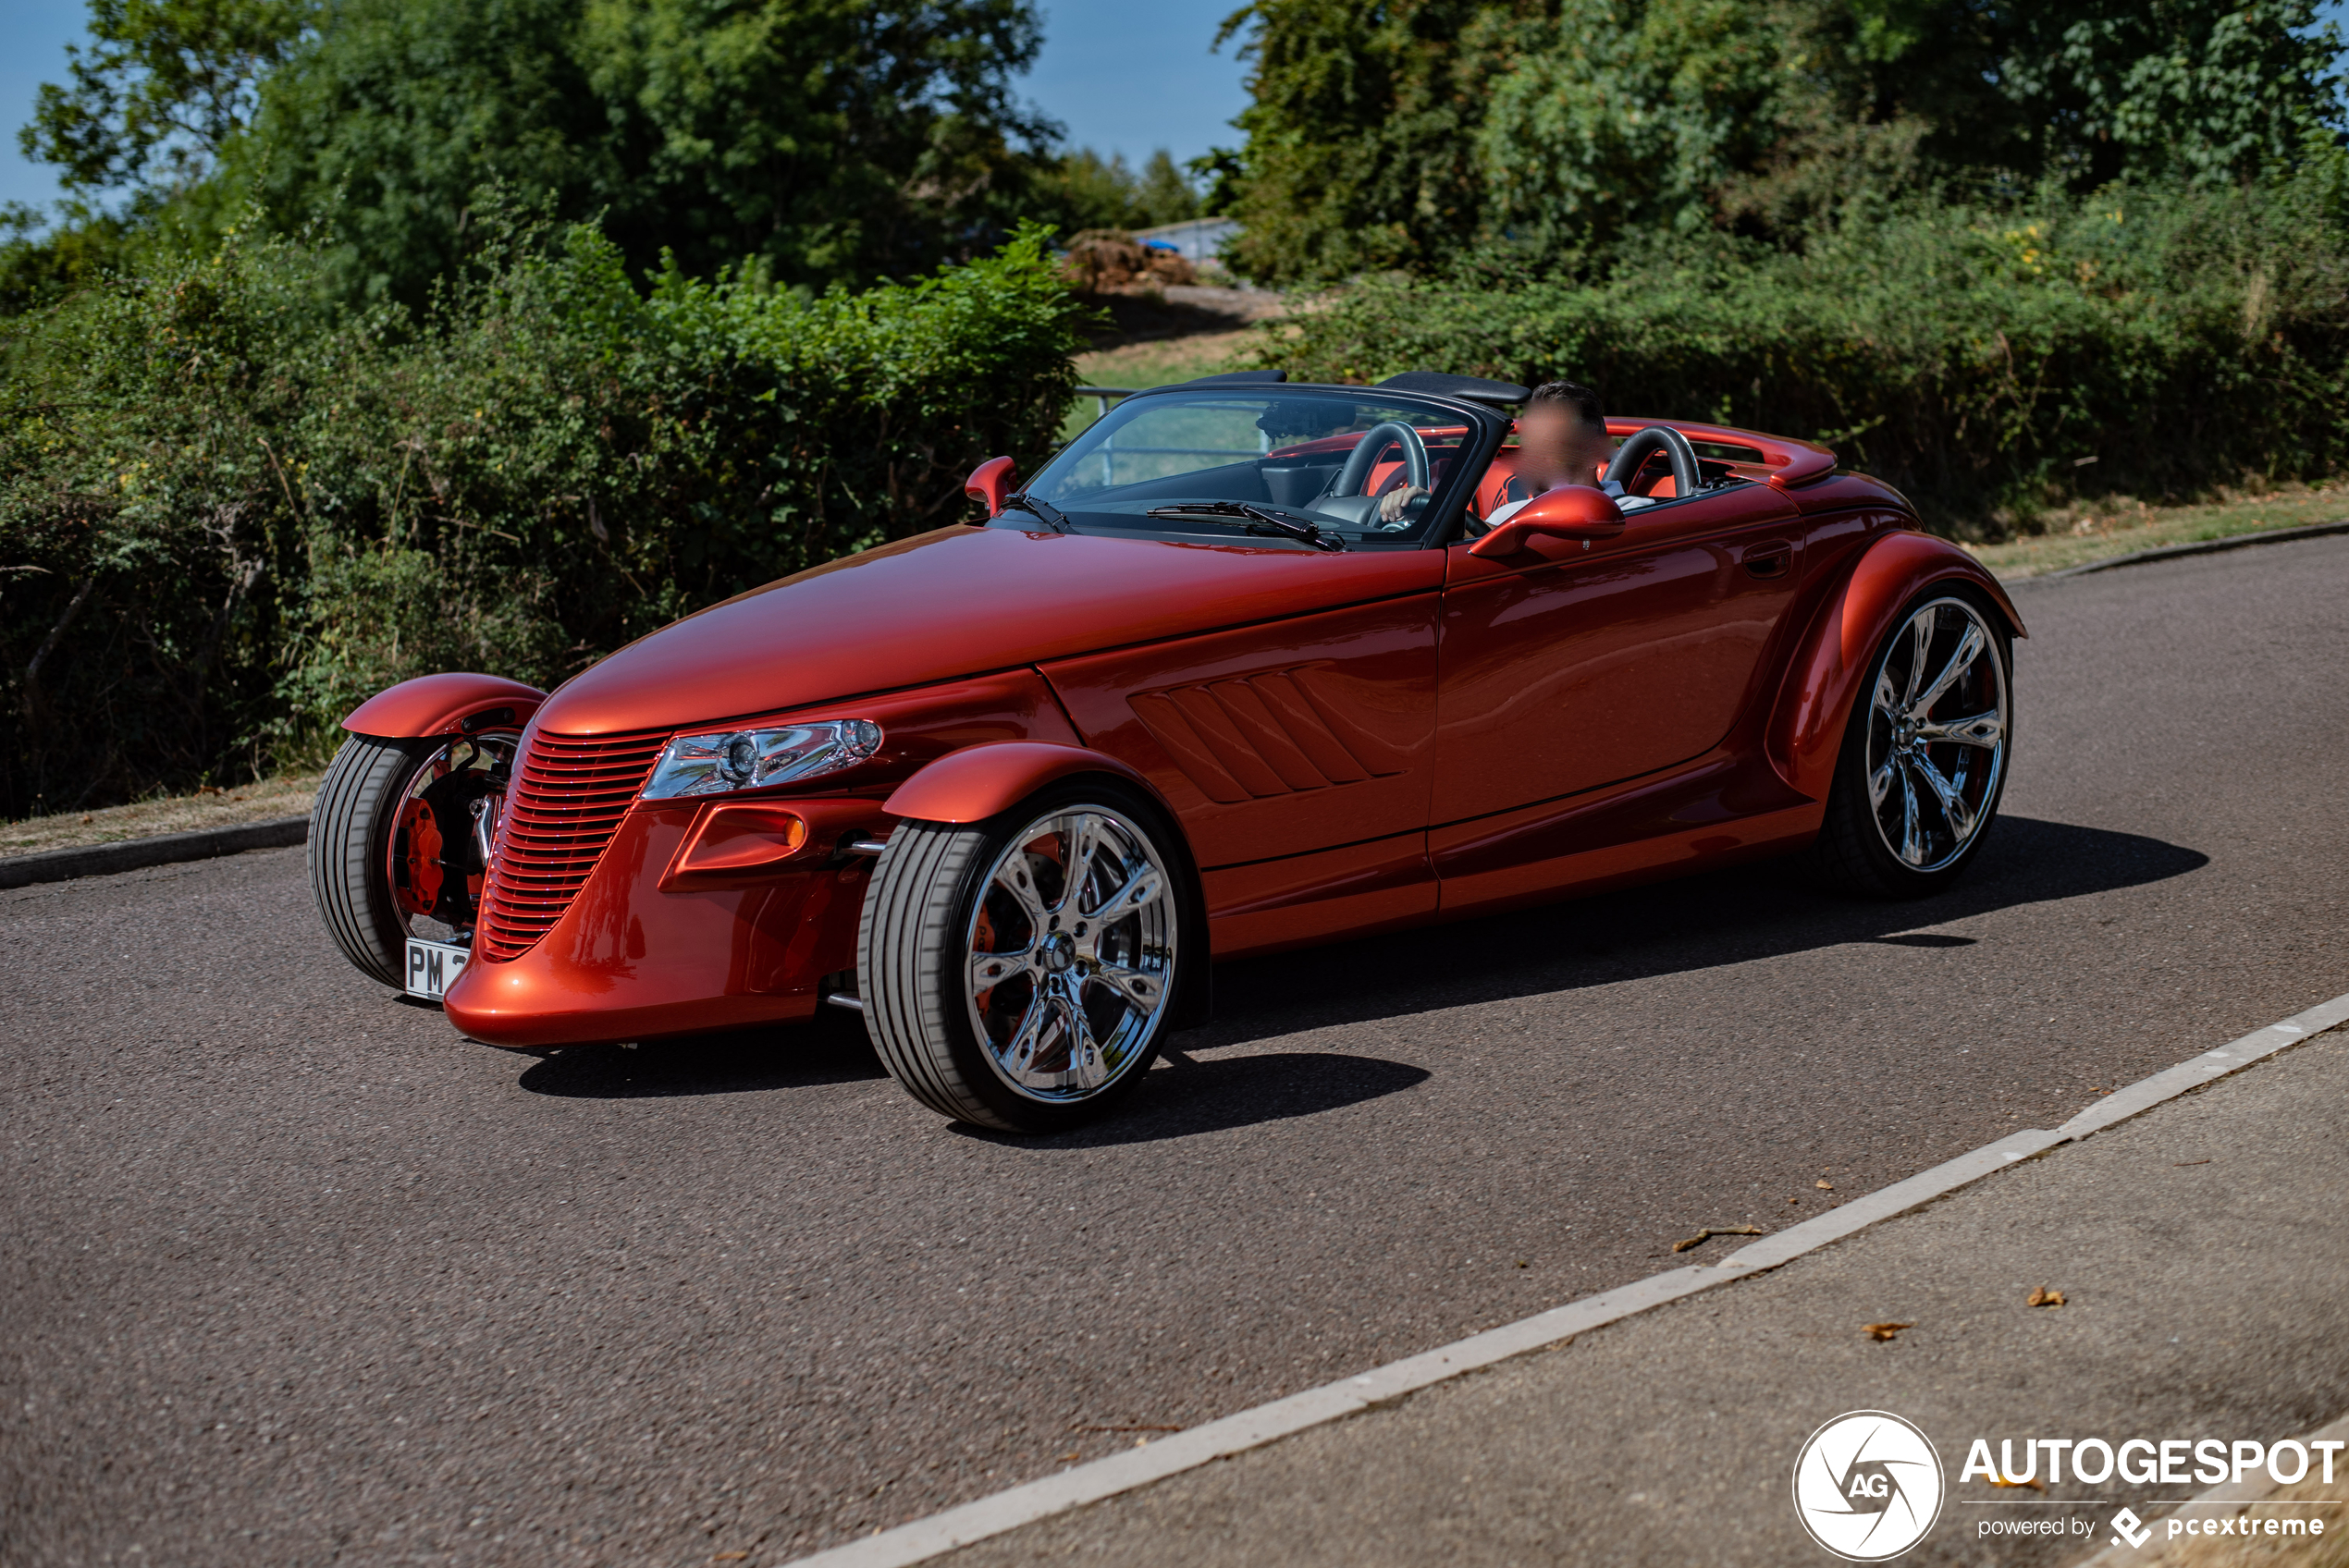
(396, 842)
(1021, 974)
(1924, 760)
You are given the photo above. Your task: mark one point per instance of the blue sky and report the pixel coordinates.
(1125, 76)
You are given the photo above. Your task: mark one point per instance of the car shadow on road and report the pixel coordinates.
(1725, 918)
(1184, 1099)
(1732, 917)
(832, 1050)
(1187, 1097)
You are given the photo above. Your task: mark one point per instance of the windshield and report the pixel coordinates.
(1309, 469)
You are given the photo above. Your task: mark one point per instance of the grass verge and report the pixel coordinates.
(1158, 362)
(288, 796)
(1167, 360)
(2103, 529)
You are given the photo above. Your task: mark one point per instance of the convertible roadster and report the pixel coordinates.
(1244, 667)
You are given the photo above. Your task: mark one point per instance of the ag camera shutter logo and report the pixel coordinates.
(1868, 1486)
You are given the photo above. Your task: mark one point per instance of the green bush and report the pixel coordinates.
(1988, 361)
(1407, 133)
(228, 512)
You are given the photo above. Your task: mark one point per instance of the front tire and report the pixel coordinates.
(1021, 974)
(1922, 766)
(392, 852)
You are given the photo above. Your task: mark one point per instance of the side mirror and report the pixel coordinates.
(1571, 512)
(989, 484)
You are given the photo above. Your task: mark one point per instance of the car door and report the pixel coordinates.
(1565, 667)
(1297, 753)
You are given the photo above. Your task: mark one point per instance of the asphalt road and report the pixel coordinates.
(292, 1275)
(2203, 1252)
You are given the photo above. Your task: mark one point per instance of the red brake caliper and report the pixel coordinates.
(416, 858)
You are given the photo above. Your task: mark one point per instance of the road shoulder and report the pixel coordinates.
(2198, 1249)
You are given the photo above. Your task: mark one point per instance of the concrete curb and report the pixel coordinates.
(922, 1540)
(130, 854)
(2200, 547)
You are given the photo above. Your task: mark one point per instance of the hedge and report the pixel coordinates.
(228, 513)
(1990, 360)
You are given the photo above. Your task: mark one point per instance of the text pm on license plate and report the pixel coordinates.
(433, 967)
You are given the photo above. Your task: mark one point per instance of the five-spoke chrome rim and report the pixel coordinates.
(1936, 734)
(1071, 954)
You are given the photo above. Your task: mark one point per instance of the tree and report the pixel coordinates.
(1361, 135)
(382, 130)
(825, 138)
(43, 262)
(1403, 133)
(1164, 193)
(1082, 189)
(1677, 114)
(2202, 90)
(813, 140)
(163, 88)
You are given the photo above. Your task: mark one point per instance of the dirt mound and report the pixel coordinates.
(1110, 261)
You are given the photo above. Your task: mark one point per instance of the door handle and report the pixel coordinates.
(1769, 561)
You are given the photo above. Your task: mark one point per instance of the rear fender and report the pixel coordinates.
(445, 704)
(1824, 677)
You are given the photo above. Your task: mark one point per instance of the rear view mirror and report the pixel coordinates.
(1571, 512)
(989, 482)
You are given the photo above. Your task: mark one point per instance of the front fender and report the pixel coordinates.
(982, 781)
(441, 704)
(978, 781)
(1824, 677)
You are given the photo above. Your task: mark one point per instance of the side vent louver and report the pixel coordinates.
(1259, 735)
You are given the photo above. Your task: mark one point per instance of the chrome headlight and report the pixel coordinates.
(752, 759)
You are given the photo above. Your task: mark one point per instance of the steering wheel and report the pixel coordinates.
(1359, 462)
(1634, 454)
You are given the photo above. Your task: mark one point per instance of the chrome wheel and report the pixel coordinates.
(1071, 953)
(1936, 734)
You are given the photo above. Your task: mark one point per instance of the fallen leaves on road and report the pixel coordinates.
(2045, 1297)
(2002, 1482)
(1883, 1331)
(1824, 1186)
(1710, 1232)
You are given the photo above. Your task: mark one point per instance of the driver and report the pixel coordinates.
(1561, 439)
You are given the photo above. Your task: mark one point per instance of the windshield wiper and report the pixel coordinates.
(1053, 517)
(1259, 520)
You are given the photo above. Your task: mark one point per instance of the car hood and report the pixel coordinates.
(957, 602)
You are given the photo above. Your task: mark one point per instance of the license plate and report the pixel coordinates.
(433, 967)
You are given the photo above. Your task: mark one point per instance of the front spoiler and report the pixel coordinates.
(628, 961)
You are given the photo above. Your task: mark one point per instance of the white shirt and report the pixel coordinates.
(1623, 502)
